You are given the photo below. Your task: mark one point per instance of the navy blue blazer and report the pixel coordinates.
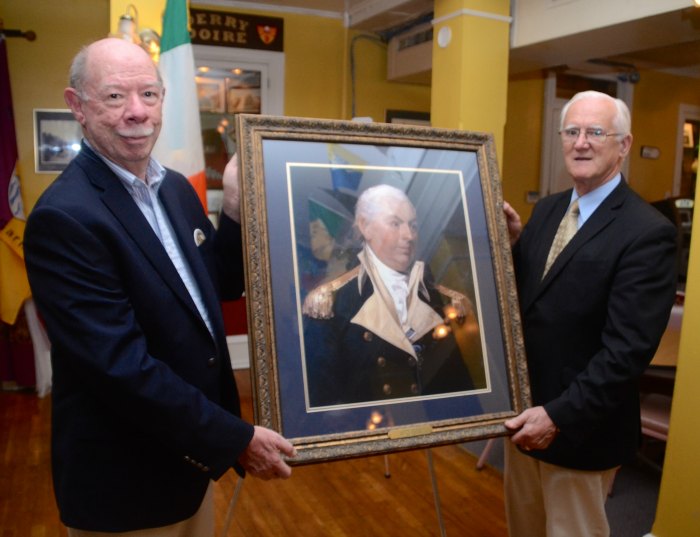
(593, 324)
(145, 406)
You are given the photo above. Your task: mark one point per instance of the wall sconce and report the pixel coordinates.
(29, 35)
(128, 29)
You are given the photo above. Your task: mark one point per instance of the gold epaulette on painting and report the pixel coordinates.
(318, 304)
(459, 301)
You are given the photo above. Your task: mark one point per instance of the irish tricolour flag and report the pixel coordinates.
(179, 146)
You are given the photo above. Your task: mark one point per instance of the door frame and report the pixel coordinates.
(270, 64)
(685, 112)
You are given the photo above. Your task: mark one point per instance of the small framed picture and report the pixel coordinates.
(382, 307)
(243, 100)
(210, 94)
(408, 117)
(57, 138)
(243, 92)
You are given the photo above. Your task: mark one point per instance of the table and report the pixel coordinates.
(667, 353)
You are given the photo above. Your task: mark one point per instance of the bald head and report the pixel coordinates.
(106, 51)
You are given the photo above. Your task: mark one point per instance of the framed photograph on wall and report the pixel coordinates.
(243, 92)
(57, 138)
(211, 94)
(382, 306)
(408, 117)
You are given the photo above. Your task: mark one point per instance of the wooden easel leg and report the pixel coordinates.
(436, 495)
(387, 472)
(231, 506)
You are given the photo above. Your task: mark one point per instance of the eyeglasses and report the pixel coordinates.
(597, 136)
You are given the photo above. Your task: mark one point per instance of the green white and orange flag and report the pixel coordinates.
(14, 286)
(179, 146)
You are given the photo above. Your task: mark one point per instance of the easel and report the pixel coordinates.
(387, 474)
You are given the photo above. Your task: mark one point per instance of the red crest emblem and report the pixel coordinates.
(267, 33)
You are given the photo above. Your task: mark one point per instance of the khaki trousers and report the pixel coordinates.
(544, 500)
(201, 524)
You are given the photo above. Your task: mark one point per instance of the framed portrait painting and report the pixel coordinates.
(382, 308)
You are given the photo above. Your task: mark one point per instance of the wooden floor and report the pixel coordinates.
(338, 499)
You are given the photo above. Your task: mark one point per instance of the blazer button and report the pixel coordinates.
(211, 361)
(381, 361)
(386, 389)
(367, 336)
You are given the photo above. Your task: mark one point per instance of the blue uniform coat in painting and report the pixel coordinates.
(352, 357)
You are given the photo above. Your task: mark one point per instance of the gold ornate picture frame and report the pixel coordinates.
(334, 396)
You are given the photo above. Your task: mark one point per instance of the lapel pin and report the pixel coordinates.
(199, 237)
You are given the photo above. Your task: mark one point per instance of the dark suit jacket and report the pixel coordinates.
(591, 327)
(144, 402)
(346, 363)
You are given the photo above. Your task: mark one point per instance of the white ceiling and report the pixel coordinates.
(669, 42)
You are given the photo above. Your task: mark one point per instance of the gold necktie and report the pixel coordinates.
(567, 229)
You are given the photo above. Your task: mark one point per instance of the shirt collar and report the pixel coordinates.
(590, 201)
(387, 273)
(155, 172)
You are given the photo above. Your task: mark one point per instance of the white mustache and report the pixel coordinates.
(137, 132)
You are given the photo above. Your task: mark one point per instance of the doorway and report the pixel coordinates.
(559, 88)
(687, 141)
(231, 81)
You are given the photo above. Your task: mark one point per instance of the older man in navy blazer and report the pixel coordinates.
(591, 325)
(128, 272)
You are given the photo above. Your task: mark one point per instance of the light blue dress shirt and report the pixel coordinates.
(588, 203)
(146, 197)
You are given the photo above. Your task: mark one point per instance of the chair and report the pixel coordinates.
(485, 454)
(655, 414)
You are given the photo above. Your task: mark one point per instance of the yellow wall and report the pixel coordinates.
(374, 94)
(39, 69)
(314, 66)
(678, 510)
(149, 12)
(522, 142)
(655, 122)
(470, 73)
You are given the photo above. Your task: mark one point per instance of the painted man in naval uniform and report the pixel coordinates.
(385, 330)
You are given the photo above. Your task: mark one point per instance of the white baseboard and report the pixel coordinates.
(238, 350)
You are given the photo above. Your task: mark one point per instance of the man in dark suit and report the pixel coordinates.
(385, 330)
(127, 272)
(591, 324)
